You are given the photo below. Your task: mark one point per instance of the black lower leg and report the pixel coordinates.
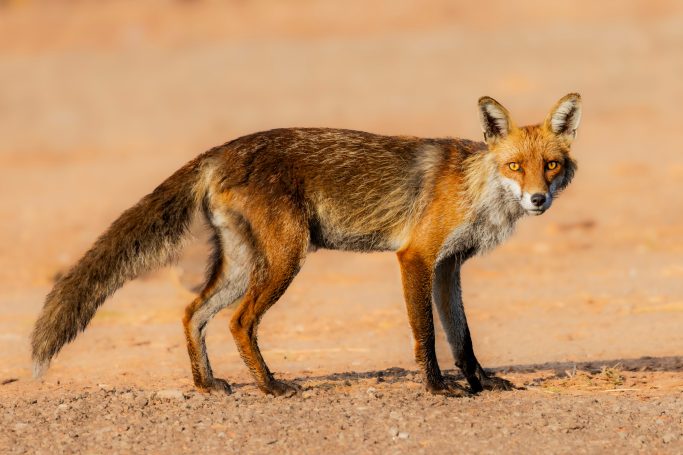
(468, 364)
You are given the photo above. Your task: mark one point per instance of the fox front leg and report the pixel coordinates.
(416, 273)
(447, 295)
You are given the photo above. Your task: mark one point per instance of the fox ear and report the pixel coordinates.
(494, 118)
(565, 116)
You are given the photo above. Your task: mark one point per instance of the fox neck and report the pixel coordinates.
(491, 209)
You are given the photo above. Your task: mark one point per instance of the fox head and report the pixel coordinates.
(533, 162)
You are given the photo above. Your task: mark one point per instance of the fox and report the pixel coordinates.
(271, 197)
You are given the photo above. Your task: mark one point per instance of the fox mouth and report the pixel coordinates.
(535, 212)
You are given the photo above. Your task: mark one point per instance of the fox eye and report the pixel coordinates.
(514, 166)
(551, 165)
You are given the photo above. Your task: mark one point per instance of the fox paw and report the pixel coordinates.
(449, 390)
(216, 385)
(280, 388)
(496, 383)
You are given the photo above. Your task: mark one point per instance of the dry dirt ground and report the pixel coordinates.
(582, 309)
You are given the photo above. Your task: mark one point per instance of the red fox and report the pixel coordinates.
(272, 197)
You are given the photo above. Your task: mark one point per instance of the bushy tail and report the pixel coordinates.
(144, 237)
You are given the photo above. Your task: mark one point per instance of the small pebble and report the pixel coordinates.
(170, 394)
(106, 387)
(667, 438)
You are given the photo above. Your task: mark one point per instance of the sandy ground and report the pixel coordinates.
(582, 309)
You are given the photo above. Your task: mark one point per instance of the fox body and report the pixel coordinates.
(272, 197)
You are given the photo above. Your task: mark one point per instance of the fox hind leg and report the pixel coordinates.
(259, 298)
(282, 253)
(197, 316)
(225, 285)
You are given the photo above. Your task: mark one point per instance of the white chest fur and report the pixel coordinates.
(492, 221)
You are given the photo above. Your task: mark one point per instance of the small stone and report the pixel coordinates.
(667, 438)
(374, 393)
(308, 394)
(20, 426)
(106, 387)
(393, 432)
(170, 394)
(394, 415)
(403, 435)
(63, 407)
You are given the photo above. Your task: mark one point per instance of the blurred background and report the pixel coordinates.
(101, 100)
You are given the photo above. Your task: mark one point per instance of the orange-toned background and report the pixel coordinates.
(99, 101)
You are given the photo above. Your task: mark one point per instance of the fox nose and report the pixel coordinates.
(538, 199)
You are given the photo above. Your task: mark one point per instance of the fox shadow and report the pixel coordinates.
(558, 369)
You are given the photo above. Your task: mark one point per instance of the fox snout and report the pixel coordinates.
(538, 199)
(533, 201)
(536, 203)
